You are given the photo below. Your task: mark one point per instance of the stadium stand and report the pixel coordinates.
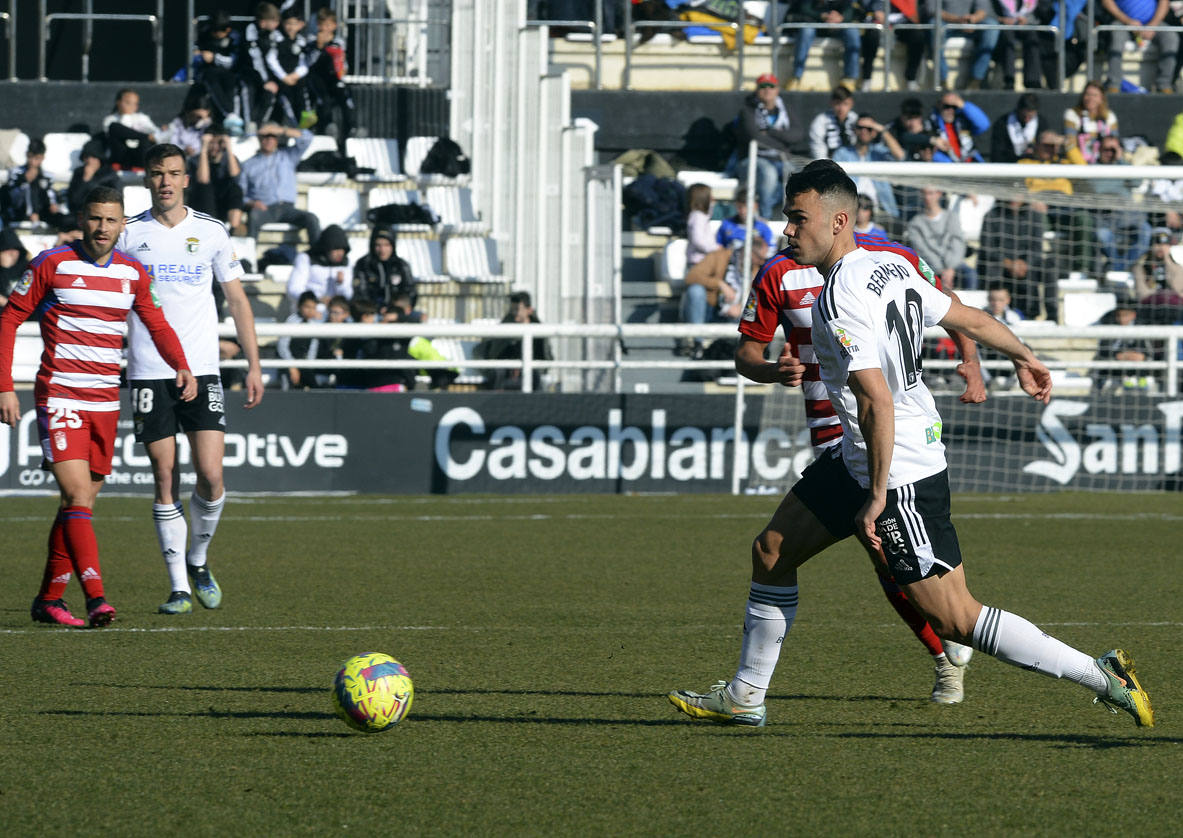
(375, 153)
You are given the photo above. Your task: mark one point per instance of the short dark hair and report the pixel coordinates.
(827, 179)
(521, 298)
(911, 107)
(219, 20)
(103, 195)
(358, 308)
(266, 11)
(841, 93)
(1028, 102)
(161, 152)
(36, 146)
(305, 297)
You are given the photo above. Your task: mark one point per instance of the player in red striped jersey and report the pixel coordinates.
(84, 292)
(782, 296)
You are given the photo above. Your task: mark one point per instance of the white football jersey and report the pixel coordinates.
(871, 314)
(183, 262)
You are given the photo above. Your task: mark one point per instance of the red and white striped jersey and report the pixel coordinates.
(83, 307)
(782, 295)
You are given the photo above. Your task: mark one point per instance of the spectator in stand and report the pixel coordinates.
(998, 304)
(268, 181)
(1090, 120)
(324, 269)
(732, 230)
(262, 91)
(1158, 281)
(521, 310)
(1017, 13)
(706, 265)
(1124, 232)
(214, 186)
(864, 220)
(1011, 252)
(14, 259)
(381, 275)
(825, 11)
(868, 11)
(130, 133)
(1170, 193)
(873, 143)
(93, 172)
(765, 119)
(288, 69)
(29, 195)
(1076, 38)
(935, 234)
(300, 349)
(917, 136)
(325, 58)
(917, 42)
(1123, 349)
(1013, 134)
(956, 12)
(187, 129)
(1074, 228)
(217, 48)
(374, 349)
(1149, 16)
(834, 127)
(958, 122)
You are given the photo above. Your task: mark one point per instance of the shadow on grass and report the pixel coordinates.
(209, 714)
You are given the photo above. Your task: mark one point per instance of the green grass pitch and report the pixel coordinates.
(543, 634)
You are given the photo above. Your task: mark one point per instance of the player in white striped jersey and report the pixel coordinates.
(84, 292)
(186, 251)
(888, 483)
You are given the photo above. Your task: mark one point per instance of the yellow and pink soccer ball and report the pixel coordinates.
(372, 692)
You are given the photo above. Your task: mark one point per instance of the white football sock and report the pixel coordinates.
(171, 531)
(205, 515)
(768, 619)
(1016, 641)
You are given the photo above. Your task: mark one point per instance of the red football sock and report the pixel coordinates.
(57, 564)
(914, 619)
(84, 549)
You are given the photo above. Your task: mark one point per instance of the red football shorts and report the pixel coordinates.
(68, 434)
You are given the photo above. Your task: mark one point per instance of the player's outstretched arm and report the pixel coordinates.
(1034, 377)
(970, 367)
(244, 327)
(876, 420)
(749, 362)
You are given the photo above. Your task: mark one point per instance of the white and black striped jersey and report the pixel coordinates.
(871, 314)
(183, 262)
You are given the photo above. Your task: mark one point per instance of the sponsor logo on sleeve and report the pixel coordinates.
(25, 284)
(749, 309)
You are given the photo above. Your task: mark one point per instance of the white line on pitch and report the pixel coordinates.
(48, 631)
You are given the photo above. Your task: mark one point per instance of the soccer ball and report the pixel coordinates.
(372, 692)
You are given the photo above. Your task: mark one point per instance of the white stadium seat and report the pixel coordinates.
(63, 154)
(380, 196)
(417, 148)
(472, 258)
(336, 205)
(320, 142)
(1084, 308)
(425, 258)
(375, 153)
(454, 206)
(245, 147)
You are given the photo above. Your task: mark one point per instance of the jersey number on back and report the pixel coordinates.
(908, 330)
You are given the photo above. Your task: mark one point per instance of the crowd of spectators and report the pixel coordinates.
(1008, 28)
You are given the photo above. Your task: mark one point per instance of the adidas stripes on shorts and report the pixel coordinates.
(918, 536)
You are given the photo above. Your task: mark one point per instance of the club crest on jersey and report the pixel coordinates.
(59, 440)
(191, 244)
(26, 282)
(932, 434)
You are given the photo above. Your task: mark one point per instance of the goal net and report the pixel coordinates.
(1080, 261)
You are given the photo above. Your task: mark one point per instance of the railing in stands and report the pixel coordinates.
(9, 19)
(89, 18)
(619, 335)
